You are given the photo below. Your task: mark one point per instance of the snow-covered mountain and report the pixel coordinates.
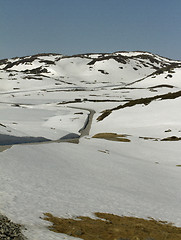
(122, 108)
(113, 68)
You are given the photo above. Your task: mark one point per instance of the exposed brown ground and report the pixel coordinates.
(172, 138)
(112, 137)
(123, 137)
(113, 227)
(3, 148)
(139, 101)
(149, 138)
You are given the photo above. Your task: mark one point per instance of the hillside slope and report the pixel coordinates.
(109, 127)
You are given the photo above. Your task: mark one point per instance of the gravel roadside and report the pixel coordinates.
(10, 230)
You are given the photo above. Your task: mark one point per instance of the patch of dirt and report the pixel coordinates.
(2, 125)
(127, 88)
(149, 138)
(47, 62)
(162, 86)
(104, 151)
(80, 113)
(112, 137)
(112, 227)
(168, 68)
(172, 138)
(168, 130)
(36, 70)
(104, 114)
(103, 71)
(34, 78)
(85, 100)
(27, 59)
(144, 101)
(4, 148)
(118, 58)
(4, 61)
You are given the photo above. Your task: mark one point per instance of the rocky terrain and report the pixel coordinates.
(10, 230)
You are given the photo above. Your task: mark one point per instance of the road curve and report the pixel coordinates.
(84, 131)
(71, 137)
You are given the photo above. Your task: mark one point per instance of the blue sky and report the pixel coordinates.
(79, 26)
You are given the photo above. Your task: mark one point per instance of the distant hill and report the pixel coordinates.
(119, 68)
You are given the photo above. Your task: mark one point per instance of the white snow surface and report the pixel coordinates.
(139, 178)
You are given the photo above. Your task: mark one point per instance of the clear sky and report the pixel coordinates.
(80, 26)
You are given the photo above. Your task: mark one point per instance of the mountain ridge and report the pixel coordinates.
(123, 67)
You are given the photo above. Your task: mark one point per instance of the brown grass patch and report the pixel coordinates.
(112, 137)
(113, 227)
